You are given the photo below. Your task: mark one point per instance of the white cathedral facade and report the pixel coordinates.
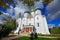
(33, 21)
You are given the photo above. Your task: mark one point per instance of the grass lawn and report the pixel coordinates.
(51, 35)
(27, 38)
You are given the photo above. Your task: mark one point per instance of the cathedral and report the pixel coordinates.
(32, 21)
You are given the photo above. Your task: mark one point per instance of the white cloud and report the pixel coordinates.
(51, 25)
(53, 10)
(53, 16)
(5, 13)
(21, 8)
(59, 25)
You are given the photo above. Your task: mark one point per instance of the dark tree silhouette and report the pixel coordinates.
(32, 36)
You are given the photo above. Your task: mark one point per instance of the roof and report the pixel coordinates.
(38, 9)
(26, 12)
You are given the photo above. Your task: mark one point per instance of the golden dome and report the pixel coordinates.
(32, 10)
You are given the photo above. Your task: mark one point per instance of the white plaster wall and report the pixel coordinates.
(39, 29)
(24, 21)
(30, 21)
(33, 14)
(45, 26)
(37, 18)
(19, 25)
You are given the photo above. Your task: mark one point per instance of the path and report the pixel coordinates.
(11, 37)
(18, 36)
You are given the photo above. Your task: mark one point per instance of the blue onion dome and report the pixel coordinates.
(26, 12)
(38, 9)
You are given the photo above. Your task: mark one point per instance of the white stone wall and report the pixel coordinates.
(19, 25)
(46, 30)
(30, 21)
(33, 14)
(37, 20)
(37, 12)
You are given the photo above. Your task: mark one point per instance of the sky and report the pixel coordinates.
(51, 11)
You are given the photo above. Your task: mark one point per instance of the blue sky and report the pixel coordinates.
(52, 11)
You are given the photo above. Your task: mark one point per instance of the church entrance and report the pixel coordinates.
(28, 29)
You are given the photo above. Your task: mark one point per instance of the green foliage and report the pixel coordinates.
(4, 4)
(27, 38)
(29, 2)
(55, 30)
(1, 13)
(7, 27)
(47, 1)
(10, 23)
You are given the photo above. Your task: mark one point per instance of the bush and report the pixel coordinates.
(7, 28)
(33, 36)
(55, 30)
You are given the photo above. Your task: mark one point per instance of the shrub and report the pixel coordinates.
(55, 30)
(7, 28)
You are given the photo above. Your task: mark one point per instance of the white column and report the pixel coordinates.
(19, 25)
(45, 25)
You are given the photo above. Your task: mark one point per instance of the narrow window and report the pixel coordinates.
(37, 18)
(37, 24)
(19, 15)
(23, 25)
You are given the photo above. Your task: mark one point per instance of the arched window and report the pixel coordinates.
(37, 24)
(23, 25)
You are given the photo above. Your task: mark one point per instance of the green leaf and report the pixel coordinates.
(1, 13)
(47, 1)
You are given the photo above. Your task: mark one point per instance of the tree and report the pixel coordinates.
(1, 13)
(4, 4)
(29, 2)
(47, 1)
(55, 30)
(7, 28)
(32, 36)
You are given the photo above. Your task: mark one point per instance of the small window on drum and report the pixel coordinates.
(37, 24)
